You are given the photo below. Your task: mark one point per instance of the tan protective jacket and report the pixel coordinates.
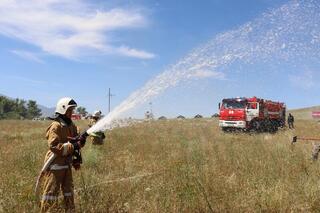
(96, 137)
(57, 136)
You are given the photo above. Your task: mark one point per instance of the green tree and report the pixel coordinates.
(2, 103)
(20, 108)
(82, 111)
(7, 108)
(32, 110)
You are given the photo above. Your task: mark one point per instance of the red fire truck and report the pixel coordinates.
(251, 114)
(76, 117)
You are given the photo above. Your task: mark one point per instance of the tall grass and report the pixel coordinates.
(170, 166)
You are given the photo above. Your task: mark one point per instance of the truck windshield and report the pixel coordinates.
(233, 104)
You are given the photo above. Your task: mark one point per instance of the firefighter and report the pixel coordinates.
(290, 121)
(96, 137)
(148, 115)
(59, 174)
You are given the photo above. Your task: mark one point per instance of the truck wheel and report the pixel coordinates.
(256, 125)
(272, 126)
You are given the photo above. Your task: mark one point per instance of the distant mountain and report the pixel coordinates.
(45, 111)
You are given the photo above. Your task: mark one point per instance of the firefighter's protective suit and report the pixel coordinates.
(96, 137)
(59, 174)
(290, 121)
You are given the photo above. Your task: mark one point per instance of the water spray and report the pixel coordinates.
(275, 36)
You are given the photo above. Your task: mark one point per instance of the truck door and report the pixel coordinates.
(252, 110)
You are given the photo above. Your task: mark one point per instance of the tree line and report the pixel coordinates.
(18, 108)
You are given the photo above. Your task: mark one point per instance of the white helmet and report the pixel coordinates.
(64, 104)
(97, 114)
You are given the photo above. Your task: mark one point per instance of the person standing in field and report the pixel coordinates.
(96, 137)
(58, 176)
(291, 121)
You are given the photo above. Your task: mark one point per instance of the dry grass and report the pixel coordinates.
(177, 166)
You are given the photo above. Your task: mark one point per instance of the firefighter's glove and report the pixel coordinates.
(79, 141)
(75, 142)
(82, 138)
(76, 146)
(82, 141)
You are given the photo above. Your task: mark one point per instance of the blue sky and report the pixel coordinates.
(55, 48)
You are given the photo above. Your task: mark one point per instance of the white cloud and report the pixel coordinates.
(68, 28)
(303, 80)
(135, 53)
(27, 55)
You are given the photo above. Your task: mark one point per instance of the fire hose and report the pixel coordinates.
(43, 170)
(296, 138)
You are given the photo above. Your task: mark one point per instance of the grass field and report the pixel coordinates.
(170, 166)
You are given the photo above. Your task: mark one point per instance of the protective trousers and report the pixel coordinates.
(58, 178)
(291, 126)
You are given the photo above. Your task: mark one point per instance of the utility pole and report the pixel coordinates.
(109, 99)
(150, 103)
(151, 113)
